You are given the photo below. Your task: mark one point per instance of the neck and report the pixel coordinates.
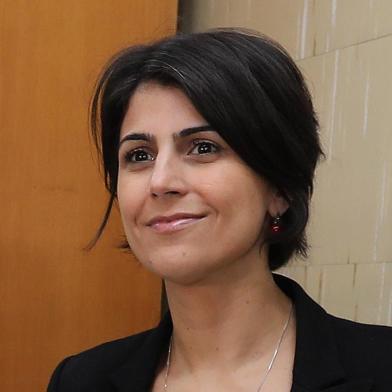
(227, 322)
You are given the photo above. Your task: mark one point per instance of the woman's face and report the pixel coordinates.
(189, 205)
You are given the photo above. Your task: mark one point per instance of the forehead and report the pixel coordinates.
(155, 108)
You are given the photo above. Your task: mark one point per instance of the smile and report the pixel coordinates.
(174, 225)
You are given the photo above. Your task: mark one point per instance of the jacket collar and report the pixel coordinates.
(316, 365)
(138, 372)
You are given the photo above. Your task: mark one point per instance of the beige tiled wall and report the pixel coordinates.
(344, 48)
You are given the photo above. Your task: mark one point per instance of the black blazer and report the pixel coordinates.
(331, 355)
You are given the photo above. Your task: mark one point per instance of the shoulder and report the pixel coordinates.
(361, 330)
(364, 347)
(89, 369)
(330, 349)
(354, 336)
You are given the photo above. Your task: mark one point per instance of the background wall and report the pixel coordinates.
(56, 299)
(344, 48)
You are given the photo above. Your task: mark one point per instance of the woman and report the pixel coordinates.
(209, 144)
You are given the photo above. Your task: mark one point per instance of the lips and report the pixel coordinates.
(174, 223)
(167, 227)
(171, 218)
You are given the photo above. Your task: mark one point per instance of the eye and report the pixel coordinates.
(142, 155)
(138, 155)
(203, 147)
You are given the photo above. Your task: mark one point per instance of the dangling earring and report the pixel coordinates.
(276, 224)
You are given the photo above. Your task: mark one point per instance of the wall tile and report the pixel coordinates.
(298, 273)
(313, 281)
(324, 76)
(367, 20)
(373, 292)
(332, 286)
(306, 27)
(293, 28)
(351, 215)
(336, 293)
(383, 237)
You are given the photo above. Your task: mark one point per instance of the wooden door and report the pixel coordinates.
(56, 299)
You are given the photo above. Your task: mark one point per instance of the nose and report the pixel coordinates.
(167, 176)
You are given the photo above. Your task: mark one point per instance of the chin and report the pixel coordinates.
(182, 271)
(185, 279)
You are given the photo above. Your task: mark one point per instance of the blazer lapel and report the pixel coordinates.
(317, 366)
(138, 372)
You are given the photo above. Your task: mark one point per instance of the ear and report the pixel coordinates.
(278, 204)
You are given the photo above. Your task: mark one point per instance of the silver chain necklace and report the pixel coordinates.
(268, 368)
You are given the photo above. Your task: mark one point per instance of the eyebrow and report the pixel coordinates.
(148, 137)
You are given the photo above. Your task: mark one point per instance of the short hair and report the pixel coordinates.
(248, 88)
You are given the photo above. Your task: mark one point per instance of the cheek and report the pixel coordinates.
(239, 185)
(240, 199)
(129, 195)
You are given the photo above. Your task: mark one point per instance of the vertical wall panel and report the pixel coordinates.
(55, 298)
